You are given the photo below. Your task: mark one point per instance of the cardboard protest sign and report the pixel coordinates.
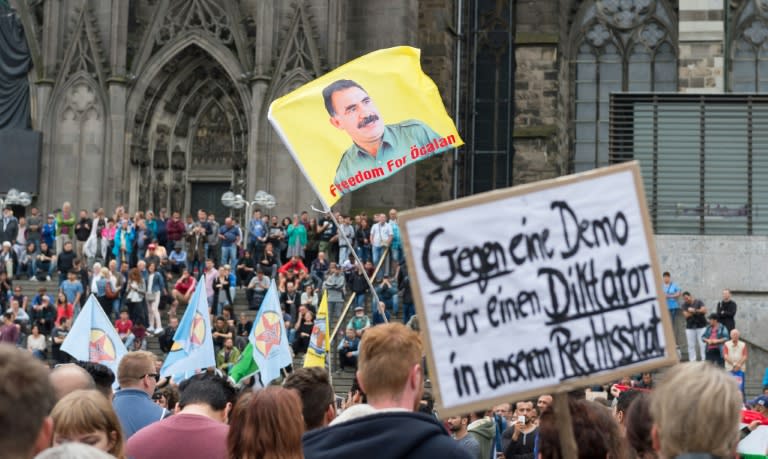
(363, 122)
(537, 289)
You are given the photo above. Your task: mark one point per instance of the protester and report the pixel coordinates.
(265, 426)
(69, 378)
(595, 431)
(198, 430)
(715, 335)
(637, 423)
(303, 329)
(86, 416)
(184, 287)
(74, 451)
(391, 375)
(521, 435)
(726, 310)
(457, 425)
(227, 356)
(696, 398)
(623, 402)
(483, 428)
(102, 376)
(26, 398)
(37, 344)
(317, 398)
(348, 350)
(694, 312)
(166, 397)
(137, 376)
(135, 291)
(735, 353)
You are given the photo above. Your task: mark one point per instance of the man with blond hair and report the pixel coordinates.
(137, 375)
(391, 376)
(696, 410)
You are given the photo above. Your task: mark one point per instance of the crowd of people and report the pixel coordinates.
(72, 412)
(139, 265)
(709, 333)
(142, 267)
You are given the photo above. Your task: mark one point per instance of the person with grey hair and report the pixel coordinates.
(696, 410)
(74, 451)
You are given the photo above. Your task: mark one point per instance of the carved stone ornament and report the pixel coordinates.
(139, 155)
(208, 16)
(652, 34)
(598, 35)
(757, 32)
(178, 159)
(625, 14)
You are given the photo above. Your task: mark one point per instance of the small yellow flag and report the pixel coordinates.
(319, 342)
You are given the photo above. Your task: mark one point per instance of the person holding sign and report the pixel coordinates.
(695, 313)
(377, 150)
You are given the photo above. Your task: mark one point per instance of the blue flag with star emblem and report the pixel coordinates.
(269, 339)
(193, 343)
(93, 338)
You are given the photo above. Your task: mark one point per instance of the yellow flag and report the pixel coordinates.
(363, 122)
(319, 342)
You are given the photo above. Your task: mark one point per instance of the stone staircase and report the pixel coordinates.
(342, 381)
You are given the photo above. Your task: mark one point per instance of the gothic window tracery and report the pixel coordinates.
(620, 46)
(749, 48)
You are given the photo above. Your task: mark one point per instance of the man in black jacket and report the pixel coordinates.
(387, 426)
(9, 226)
(726, 310)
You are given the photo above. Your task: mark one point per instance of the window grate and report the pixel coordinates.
(703, 159)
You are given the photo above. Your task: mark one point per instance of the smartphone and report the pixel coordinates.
(521, 420)
(339, 401)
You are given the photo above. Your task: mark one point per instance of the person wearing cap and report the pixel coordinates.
(760, 404)
(714, 336)
(360, 322)
(152, 255)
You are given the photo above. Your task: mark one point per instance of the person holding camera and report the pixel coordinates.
(522, 433)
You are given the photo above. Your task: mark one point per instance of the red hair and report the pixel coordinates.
(267, 424)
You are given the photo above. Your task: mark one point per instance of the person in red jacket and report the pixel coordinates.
(175, 229)
(295, 264)
(64, 309)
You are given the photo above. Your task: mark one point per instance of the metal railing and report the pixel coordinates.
(350, 300)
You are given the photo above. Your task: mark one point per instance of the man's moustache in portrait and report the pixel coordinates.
(367, 120)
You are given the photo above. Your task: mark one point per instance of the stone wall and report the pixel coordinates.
(437, 40)
(700, 34)
(701, 67)
(540, 112)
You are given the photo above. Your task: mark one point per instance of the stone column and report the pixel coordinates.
(264, 15)
(115, 171)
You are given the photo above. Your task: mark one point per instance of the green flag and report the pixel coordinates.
(244, 367)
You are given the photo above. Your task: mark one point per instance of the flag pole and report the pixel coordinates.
(375, 297)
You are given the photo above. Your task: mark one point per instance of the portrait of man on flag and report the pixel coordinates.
(364, 122)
